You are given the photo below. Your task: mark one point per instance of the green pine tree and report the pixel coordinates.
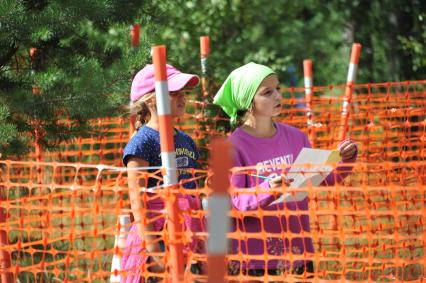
(80, 69)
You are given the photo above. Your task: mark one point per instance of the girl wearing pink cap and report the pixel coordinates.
(143, 150)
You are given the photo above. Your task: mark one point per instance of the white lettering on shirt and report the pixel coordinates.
(274, 164)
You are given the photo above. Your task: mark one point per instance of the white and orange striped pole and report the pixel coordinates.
(353, 67)
(37, 131)
(123, 225)
(124, 220)
(134, 42)
(204, 53)
(218, 208)
(168, 159)
(307, 75)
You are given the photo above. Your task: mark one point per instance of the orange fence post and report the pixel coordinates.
(353, 67)
(5, 262)
(37, 131)
(168, 160)
(134, 39)
(219, 205)
(38, 152)
(204, 53)
(307, 71)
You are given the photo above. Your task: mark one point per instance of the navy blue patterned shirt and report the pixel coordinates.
(145, 144)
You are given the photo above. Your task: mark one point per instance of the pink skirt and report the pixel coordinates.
(133, 261)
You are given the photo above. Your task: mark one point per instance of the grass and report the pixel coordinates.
(56, 231)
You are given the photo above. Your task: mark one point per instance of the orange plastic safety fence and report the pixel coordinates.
(62, 227)
(371, 228)
(387, 120)
(62, 217)
(106, 147)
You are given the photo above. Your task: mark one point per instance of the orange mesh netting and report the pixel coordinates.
(63, 226)
(62, 217)
(387, 120)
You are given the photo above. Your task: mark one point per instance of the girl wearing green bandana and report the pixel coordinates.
(251, 97)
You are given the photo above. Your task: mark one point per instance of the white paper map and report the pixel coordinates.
(304, 174)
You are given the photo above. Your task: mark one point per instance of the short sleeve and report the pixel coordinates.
(139, 146)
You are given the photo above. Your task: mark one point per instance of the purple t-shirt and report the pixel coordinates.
(269, 154)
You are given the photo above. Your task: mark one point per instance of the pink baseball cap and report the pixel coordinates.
(144, 81)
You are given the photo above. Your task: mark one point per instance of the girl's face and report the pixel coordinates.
(177, 103)
(267, 101)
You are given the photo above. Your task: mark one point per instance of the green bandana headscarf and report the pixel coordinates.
(239, 88)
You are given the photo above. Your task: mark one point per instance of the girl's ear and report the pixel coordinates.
(251, 108)
(151, 103)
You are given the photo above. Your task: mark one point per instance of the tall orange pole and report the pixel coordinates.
(134, 41)
(353, 67)
(37, 131)
(219, 205)
(204, 53)
(307, 71)
(168, 160)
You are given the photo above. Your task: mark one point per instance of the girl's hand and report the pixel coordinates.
(158, 266)
(347, 150)
(277, 182)
(157, 262)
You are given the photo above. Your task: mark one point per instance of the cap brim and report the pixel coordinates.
(182, 80)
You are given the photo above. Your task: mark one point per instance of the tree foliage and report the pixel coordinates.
(79, 68)
(84, 61)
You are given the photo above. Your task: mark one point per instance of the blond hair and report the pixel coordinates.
(141, 109)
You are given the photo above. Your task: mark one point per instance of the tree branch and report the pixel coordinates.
(5, 59)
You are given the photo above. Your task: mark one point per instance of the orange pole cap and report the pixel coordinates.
(134, 33)
(204, 45)
(159, 61)
(307, 68)
(356, 50)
